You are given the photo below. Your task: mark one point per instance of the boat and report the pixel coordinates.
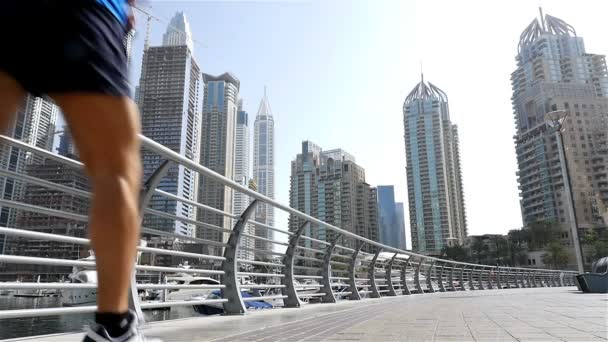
(188, 279)
(75, 297)
(218, 308)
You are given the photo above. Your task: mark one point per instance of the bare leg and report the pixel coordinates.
(105, 130)
(11, 96)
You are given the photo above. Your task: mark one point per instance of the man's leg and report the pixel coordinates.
(105, 130)
(11, 97)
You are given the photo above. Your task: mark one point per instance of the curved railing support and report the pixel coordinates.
(498, 281)
(352, 274)
(144, 199)
(520, 275)
(490, 273)
(471, 283)
(429, 278)
(389, 277)
(404, 287)
(326, 272)
(441, 286)
(451, 278)
(371, 274)
(528, 281)
(461, 279)
(417, 277)
(533, 278)
(231, 291)
(554, 279)
(292, 300)
(480, 278)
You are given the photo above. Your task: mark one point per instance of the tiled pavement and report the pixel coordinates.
(541, 314)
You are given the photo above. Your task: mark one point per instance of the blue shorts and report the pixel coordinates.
(59, 46)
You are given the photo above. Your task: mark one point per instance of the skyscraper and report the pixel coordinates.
(436, 204)
(263, 169)
(242, 176)
(390, 225)
(554, 72)
(178, 32)
(400, 212)
(217, 150)
(330, 186)
(34, 124)
(169, 101)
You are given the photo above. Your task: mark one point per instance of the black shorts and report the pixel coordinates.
(58, 46)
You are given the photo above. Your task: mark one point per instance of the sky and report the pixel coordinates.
(337, 72)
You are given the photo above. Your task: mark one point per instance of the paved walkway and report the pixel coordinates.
(541, 314)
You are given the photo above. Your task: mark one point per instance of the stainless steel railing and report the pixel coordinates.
(308, 271)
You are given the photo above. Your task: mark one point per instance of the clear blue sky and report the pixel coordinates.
(337, 73)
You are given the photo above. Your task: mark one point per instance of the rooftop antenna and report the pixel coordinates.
(542, 18)
(264, 91)
(421, 73)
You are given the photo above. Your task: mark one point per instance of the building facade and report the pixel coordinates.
(242, 175)
(554, 72)
(400, 212)
(169, 102)
(217, 151)
(263, 169)
(390, 225)
(435, 195)
(330, 186)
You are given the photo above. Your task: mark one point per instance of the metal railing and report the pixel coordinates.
(345, 267)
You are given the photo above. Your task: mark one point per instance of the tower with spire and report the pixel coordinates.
(554, 72)
(263, 168)
(434, 182)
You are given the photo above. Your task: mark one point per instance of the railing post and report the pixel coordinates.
(480, 278)
(441, 287)
(560, 279)
(532, 273)
(389, 277)
(521, 279)
(144, 198)
(498, 282)
(404, 287)
(528, 282)
(461, 279)
(354, 292)
(490, 272)
(371, 274)
(429, 278)
(417, 277)
(553, 278)
(451, 278)
(471, 284)
(326, 272)
(508, 278)
(292, 300)
(231, 291)
(540, 279)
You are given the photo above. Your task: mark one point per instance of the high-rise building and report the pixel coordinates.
(242, 176)
(34, 124)
(400, 212)
(263, 169)
(330, 186)
(554, 72)
(66, 143)
(436, 204)
(169, 101)
(217, 151)
(390, 225)
(33, 194)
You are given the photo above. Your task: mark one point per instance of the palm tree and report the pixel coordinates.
(479, 249)
(556, 255)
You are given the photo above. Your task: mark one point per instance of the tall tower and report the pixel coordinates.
(390, 220)
(169, 101)
(34, 124)
(218, 150)
(242, 175)
(435, 196)
(330, 186)
(263, 168)
(554, 72)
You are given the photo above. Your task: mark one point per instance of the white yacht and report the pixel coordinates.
(189, 279)
(73, 297)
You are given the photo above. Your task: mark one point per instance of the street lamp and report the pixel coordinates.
(555, 120)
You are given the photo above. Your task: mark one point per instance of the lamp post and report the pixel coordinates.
(555, 120)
